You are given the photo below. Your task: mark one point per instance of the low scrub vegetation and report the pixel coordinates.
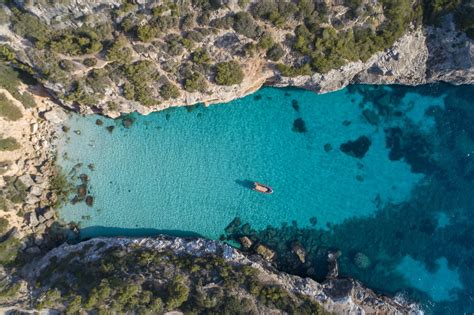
(145, 281)
(8, 110)
(229, 73)
(8, 144)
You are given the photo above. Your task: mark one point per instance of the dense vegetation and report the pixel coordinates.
(145, 281)
(463, 10)
(316, 39)
(145, 54)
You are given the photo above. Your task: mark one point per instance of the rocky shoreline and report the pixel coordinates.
(338, 295)
(423, 55)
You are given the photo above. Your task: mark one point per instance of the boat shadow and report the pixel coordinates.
(245, 183)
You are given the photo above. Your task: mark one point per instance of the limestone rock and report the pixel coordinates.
(32, 219)
(265, 252)
(56, 116)
(299, 251)
(246, 242)
(26, 180)
(36, 190)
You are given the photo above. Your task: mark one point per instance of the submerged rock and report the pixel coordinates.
(90, 201)
(99, 122)
(233, 226)
(328, 147)
(81, 191)
(299, 125)
(295, 105)
(110, 128)
(357, 148)
(127, 122)
(371, 116)
(362, 261)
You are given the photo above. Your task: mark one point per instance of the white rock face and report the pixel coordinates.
(341, 296)
(56, 116)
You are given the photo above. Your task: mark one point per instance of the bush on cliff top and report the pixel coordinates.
(229, 73)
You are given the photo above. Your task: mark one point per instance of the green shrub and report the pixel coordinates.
(278, 13)
(224, 22)
(3, 226)
(8, 110)
(174, 45)
(266, 41)
(244, 24)
(75, 305)
(29, 26)
(9, 291)
(77, 43)
(195, 82)
(290, 71)
(178, 293)
(141, 76)
(169, 90)
(200, 57)
(229, 73)
(275, 52)
(66, 65)
(89, 62)
(9, 250)
(119, 51)
(9, 144)
(7, 53)
(146, 32)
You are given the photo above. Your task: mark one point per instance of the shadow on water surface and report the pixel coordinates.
(245, 183)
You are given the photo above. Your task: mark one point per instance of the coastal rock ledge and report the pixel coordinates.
(337, 295)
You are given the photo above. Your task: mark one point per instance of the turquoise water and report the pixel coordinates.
(347, 168)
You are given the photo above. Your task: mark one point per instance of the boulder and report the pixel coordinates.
(34, 128)
(31, 199)
(265, 252)
(49, 214)
(32, 219)
(56, 116)
(246, 242)
(299, 251)
(40, 228)
(26, 180)
(36, 190)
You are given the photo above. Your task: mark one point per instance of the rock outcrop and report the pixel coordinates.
(338, 295)
(423, 55)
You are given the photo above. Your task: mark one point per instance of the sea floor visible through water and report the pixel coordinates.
(384, 174)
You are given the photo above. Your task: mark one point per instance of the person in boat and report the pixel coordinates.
(261, 188)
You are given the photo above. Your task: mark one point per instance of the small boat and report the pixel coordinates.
(261, 188)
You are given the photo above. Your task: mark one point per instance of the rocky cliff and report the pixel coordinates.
(146, 56)
(190, 260)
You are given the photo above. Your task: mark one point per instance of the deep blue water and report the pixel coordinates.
(383, 174)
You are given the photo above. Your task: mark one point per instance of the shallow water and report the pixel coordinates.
(406, 175)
